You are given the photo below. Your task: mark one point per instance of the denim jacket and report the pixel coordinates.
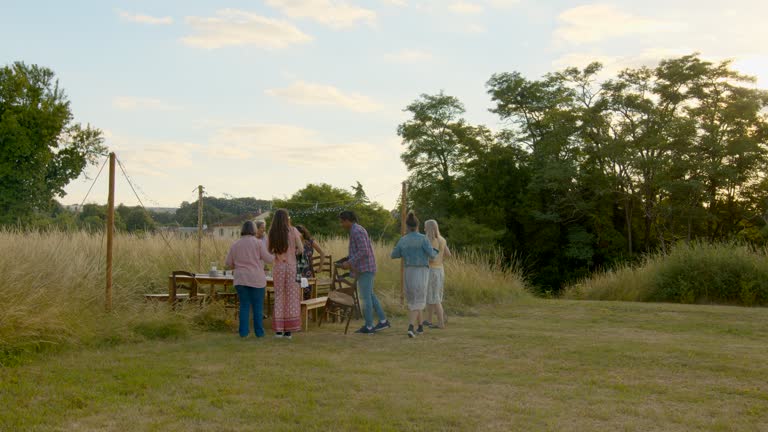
(415, 250)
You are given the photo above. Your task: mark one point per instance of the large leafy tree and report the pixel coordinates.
(41, 148)
(589, 172)
(434, 141)
(316, 206)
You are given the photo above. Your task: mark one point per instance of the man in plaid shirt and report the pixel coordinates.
(362, 262)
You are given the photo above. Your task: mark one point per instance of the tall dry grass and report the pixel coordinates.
(721, 273)
(472, 279)
(52, 285)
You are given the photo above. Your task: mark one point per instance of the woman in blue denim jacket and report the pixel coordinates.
(416, 251)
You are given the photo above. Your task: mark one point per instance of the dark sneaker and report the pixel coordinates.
(420, 330)
(287, 335)
(278, 335)
(366, 330)
(382, 326)
(411, 333)
(426, 323)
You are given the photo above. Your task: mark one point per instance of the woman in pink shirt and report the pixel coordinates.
(247, 257)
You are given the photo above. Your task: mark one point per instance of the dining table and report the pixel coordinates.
(226, 281)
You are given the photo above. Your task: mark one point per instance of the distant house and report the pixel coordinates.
(230, 228)
(183, 232)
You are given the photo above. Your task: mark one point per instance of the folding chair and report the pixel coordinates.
(343, 301)
(323, 274)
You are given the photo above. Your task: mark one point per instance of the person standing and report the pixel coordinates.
(436, 284)
(310, 246)
(247, 257)
(362, 262)
(285, 243)
(416, 251)
(261, 231)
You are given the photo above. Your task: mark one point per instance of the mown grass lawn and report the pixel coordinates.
(535, 365)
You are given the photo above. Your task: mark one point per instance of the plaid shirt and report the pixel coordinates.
(360, 251)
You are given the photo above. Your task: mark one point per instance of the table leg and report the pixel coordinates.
(314, 296)
(171, 291)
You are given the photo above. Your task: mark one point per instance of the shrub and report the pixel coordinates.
(724, 273)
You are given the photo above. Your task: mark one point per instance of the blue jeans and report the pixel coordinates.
(368, 298)
(251, 298)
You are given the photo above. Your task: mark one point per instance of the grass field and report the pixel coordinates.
(52, 286)
(532, 365)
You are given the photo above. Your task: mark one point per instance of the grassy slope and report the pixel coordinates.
(534, 365)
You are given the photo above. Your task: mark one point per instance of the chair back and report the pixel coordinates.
(344, 287)
(327, 266)
(189, 285)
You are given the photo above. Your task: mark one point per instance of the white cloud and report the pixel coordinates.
(504, 4)
(613, 64)
(131, 103)
(145, 19)
(232, 27)
(597, 22)
(286, 143)
(718, 32)
(151, 157)
(409, 56)
(475, 29)
(398, 3)
(462, 7)
(304, 93)
(336, 14)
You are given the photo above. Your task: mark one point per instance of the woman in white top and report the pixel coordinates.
(436, 275)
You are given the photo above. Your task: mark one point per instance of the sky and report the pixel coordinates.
(261, 97)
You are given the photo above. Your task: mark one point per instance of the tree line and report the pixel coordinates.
(590, 172)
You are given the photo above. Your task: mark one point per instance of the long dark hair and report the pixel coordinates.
(278, 232)
(304, 233)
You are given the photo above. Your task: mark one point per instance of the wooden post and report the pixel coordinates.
(403, 216)
(200, 229)
(110, 231)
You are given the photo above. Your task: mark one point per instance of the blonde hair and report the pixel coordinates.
(432, 230)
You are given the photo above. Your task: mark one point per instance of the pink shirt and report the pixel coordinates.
(247, 256)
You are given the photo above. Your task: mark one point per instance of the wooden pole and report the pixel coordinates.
(200, 228)
(403, 216)
(110, 231)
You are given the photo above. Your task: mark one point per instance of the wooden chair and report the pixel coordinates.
(323, 274)
(343, 301)
(311, 305)
(230, 300)
(174, 296)
(191, 287)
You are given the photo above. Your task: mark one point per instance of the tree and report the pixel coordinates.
(139, 219)
(41, 149)
(434, 148)
(317, 205)
(588, 173)
(93, 217)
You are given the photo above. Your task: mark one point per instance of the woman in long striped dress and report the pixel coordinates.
(285, 243)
